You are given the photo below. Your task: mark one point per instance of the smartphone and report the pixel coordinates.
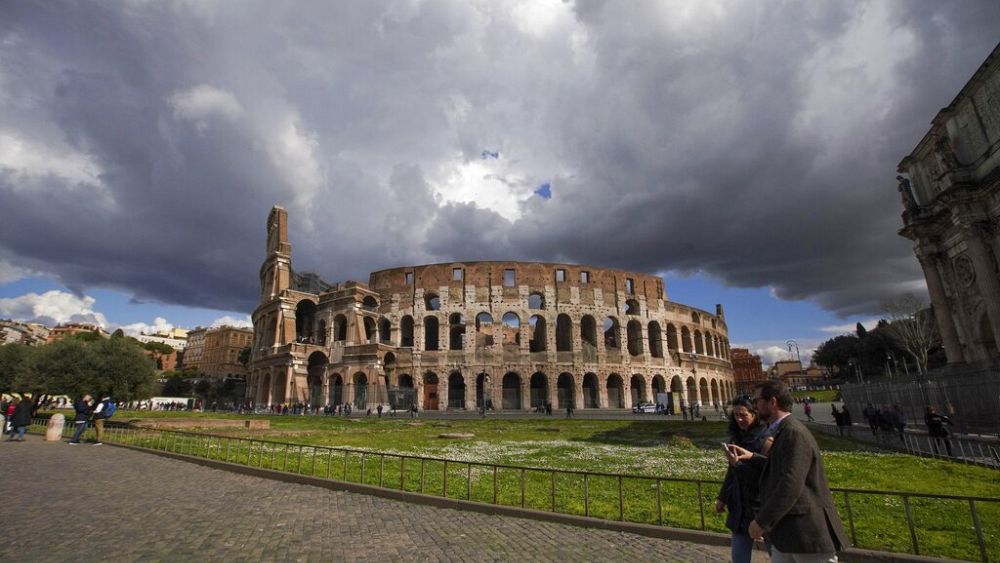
(725, 448)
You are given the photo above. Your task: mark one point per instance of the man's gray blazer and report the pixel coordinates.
(796, 507)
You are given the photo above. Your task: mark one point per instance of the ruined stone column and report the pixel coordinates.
(939, 303)
(986, 279)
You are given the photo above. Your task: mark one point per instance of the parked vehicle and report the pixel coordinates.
(644, 408)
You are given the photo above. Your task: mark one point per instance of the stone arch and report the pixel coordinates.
(264, 389)
(686, 339)
(430, 399)
(591, 391)
(406, 332)
(655, 337)
(315, 375)
(370, 332)
(714, 389)
(536, 301)
(709, 344)
(699, 345)
(611, 338)
(340, 328)
(671, 337)
(385, 331)
(456, 390)
(637, 387)
(703, 389)
(360, 381)
(431, 333)
(484, 330)
(659, 386)
(564, 333)
(456, 331)
(321, 333)
(336, 389)
(692, 392)
(588, 332)
(305, 320)
(432, 302)
(616, 393)
(369, 302)
(565, 390)
(484, 398)
(511, 330)
(538, 341)
(539, 390)
(695, 318)
(511, 387)
(633, 332)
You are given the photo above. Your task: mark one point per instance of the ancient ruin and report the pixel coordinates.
(511, 335)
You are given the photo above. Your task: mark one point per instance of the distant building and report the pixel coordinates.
(175, 343)
(951, 209)
(164, 362)
(747, 370)
(28, 334)
(69, 329)
(791, 373)
(216, 351)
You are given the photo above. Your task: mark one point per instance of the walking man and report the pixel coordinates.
(83, 412)
(100, 414)
(796, 514)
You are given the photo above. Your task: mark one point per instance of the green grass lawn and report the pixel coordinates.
(654, 448)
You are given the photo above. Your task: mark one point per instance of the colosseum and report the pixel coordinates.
(463, 335)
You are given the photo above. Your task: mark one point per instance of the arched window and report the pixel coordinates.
(511, 329)
(634, 331)
(611, 338)
(699, 346)
(431, 333)
(340, 328)
(305, 317)
(709, 344)
(384, 331)
(406, 332)
(695, 318)
(370, 330)
(686, 339)
(432, 302)
(321, 333)
(671, 337)
(655, 340)
(564, 333)
(536, 301)
(456, 331)
(538, 335)
(588, 331)
(484, 330)
(369, 303)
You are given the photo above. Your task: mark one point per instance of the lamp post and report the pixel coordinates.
(798, 356)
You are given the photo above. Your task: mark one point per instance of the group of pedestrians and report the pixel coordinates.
(885, 422)
(88, 411)
(16, 415)
(775, 489)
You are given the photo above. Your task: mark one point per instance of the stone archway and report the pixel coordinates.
(591, 391)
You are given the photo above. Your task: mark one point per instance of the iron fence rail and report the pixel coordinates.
(613, 496)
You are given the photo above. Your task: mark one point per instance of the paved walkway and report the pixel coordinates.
(94, 503)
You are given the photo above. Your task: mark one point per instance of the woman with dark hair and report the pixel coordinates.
(740, 492)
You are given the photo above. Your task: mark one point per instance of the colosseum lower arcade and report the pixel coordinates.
(505, 335)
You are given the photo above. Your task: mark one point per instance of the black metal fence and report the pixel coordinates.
(963, 527)
(971, 397)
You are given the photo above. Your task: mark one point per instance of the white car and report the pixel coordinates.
(644, 408)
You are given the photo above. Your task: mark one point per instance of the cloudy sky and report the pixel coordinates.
(744, 150)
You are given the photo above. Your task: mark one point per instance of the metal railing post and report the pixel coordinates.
(553, 475)
(979, 531)
(586, 494)
(659, 504)
(909, 524)
(701, 505)
(444, 488)
(850, 518)
(621, 501)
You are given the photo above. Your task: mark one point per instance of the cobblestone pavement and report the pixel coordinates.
(90, 503)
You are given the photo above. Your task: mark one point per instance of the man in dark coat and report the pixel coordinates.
(83, 408)
(796, 513)
(21, 419)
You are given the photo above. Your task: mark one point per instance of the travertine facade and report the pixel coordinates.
(515, 335)
(951, 212)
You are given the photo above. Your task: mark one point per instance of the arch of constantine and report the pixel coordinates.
(510, 335)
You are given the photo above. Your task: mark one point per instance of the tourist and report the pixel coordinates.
(899, 422)
(838, 418)
(21, 418)
(871, 416)
(83, 411)
(935, 429)
(100, 415)
(796, 513)
(808, 409)
(845, 419)
(739, 494)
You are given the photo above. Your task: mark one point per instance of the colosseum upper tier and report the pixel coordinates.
(464, 335)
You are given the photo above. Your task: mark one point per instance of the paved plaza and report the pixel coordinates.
(91, 503)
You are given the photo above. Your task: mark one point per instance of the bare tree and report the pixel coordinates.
(912, 326)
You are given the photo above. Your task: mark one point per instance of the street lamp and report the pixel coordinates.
(798, 356)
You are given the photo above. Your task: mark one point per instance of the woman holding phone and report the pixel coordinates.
(739, 494)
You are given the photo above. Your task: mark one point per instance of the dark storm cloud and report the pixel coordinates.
(756, 142)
